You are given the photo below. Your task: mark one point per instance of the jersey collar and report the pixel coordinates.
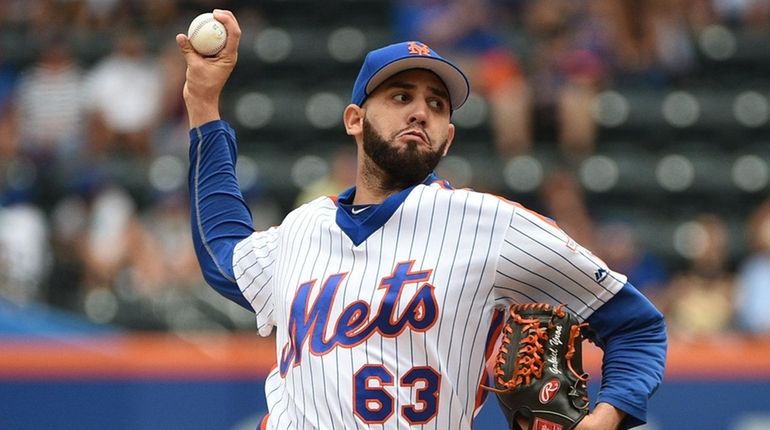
(358, 227)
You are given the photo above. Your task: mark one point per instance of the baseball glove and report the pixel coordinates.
(538, 374)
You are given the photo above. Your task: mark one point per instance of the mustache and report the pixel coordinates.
(413, 127)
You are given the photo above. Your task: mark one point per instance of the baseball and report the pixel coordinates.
(207, 35)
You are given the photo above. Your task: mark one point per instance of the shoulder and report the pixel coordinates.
(469, 199)
(442, 189)
(504, 208)
(320, 207)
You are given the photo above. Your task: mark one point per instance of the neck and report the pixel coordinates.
(370, 185)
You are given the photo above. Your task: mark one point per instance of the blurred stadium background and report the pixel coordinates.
(642, 127)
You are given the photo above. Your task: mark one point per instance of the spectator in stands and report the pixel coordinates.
(171, 135)
(50, 105)
(752, 15)
(8, 77)
(125, 97)
(469, 32)
(619, 247)
(107, 241)
(23, 252)
(699, 300)
(753, 284)
(120, 257)
(648, 41)
(49, 100)
(567, 68)
(68, 222)
(342, 173)
(23, 225)
(170, 255)
(581, 48)
(563, 199)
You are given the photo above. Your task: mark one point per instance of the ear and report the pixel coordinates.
(450, 137)
(353, 118)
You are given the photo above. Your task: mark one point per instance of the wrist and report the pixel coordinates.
(198, 116)
(201, 110)
(608, 414)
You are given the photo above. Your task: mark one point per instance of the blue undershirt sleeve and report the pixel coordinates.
(219, 215)
(632, 333)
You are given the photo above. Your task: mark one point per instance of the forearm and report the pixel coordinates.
(219, 215)
(632, 334)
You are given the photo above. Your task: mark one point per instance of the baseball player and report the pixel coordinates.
(385, 299)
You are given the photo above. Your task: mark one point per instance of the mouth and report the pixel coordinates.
(415, 133)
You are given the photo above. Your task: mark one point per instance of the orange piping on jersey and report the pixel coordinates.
(517, 205)
(548, 221)
(492, 340)
(481, 393)
(263, 425)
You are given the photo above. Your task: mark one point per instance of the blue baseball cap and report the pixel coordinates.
(383, 63)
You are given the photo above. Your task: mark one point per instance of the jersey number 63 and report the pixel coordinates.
(374, 405)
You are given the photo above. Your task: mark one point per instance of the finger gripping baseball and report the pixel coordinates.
(538, 373)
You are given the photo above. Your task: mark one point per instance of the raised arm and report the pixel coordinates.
(219, 216)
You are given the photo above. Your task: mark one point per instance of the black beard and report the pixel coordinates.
(400, 168)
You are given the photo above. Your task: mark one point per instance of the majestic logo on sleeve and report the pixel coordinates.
(356, 324)
(601, 274)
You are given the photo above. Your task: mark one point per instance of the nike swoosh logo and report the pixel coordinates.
(359, 210)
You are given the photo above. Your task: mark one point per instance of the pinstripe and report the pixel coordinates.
(264, 285)
(360, 289)
(254, 279)
(374, 291)
(547, 279)
(551, 298)
(425, 252)
(505, 300)
(348, 281)
(557, 253)
(309, 366)
(459, 300)
(443, 305)
(411, 248)
(248, 253)
(254, 249)
(591, 257)
(395, 258)
(473, 300)
(295, 238)
(323, 368)
(261, 326)
(552, 267)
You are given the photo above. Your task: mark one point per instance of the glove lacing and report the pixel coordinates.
(581, 379)
(529, 357)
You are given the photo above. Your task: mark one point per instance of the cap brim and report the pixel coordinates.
(453, 78)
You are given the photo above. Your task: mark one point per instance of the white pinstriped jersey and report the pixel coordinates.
(392, 333)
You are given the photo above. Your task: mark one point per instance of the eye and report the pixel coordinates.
(401, 97)
(437, 104)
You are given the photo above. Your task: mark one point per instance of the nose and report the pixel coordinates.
(419, 114)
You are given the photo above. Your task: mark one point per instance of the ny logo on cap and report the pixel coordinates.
(418, 48)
